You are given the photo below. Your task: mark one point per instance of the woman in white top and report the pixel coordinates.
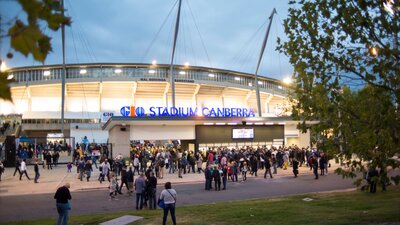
(169, 197)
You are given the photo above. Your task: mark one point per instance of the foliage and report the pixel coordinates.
(28, 37)
(346, 58)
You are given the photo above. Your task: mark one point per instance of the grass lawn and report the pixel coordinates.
(354, 207)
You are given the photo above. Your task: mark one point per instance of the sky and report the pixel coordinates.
(213, 33)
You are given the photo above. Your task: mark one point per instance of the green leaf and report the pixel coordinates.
(5, 92)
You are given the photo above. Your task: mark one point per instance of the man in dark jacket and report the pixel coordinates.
(124, 179)
(209, 176)
(62, 197)
(36, 169)
(217, 179)
(267, 168)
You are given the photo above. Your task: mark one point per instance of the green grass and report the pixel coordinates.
(354, 207)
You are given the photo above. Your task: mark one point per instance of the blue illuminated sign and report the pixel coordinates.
(186, 112)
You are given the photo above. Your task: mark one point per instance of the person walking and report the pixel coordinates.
(267, 168)
(88, 170)
(17, 166)
(105, 171)
(1, 168)
(169, 196)
(140, 186)
(23, 170)
(36, 169)
(124, 179)
(62, 197)
(113, 186)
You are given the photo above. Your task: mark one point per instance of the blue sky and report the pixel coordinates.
(132, 31)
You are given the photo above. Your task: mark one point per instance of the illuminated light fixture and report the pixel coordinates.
(232, 123)
(208, 123)
(250, 84)
(83, 71)
(280, 87)
(258, 123)
(287, 80)
(219, 123)
(152, 71)
(211, 75)
(249, 123)
(373, 51)
(3, 66)
(187, 64)
(117, 71)
(260, 82)
(154, 62)
(182, 72)
(269, 123)
(237, 78)
(46, 73)
(10, 76)
(283, 123)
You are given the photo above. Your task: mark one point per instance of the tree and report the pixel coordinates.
(28, 37)
(347, 76)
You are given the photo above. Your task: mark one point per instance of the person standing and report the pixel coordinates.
(152, 182)
(169, 197)
(36, 169)
(23, 170)
(314, 163)
(130, 179)
(208, 175)
(140, 186)
(217, 178)
(62, 197)
(295, 164)
(372, 179)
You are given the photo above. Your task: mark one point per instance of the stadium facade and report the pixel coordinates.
(119, 103)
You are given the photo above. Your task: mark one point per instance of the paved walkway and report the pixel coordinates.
(50, 180)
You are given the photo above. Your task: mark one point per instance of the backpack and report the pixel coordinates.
(183, 161)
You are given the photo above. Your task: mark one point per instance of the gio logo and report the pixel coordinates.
(132, 111)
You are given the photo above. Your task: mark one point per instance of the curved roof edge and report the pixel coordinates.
(139, 65)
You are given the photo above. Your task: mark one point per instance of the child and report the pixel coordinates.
(113, 186)
(69, 167)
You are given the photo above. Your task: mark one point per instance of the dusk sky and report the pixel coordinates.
(139, 31)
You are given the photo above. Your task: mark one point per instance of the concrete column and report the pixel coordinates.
(119, 138)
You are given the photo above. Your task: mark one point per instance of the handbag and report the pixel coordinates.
(161, 203)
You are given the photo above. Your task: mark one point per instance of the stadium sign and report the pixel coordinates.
(186, 112)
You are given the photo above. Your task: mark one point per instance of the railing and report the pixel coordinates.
(144, 72)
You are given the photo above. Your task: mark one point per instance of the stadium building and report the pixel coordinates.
(121, 103)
